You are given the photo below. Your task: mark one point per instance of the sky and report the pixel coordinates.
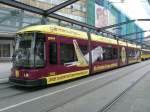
(135, 9)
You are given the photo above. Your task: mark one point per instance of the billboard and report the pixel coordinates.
(103, 17)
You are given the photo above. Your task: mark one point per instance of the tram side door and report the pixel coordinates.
(52, 58)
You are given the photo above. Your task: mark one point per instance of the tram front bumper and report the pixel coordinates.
(28, 83)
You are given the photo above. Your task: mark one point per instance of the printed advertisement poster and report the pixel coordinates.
(101, 16)
(104, 17)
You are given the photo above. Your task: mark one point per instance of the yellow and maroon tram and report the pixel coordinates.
(145, 54)
(47, 54)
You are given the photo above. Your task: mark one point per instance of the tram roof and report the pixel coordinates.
(146, 50)
(131, 45)
(68, 32)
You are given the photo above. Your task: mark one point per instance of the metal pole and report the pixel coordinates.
(90, 53)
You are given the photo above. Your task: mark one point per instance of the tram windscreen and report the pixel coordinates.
(29, 51)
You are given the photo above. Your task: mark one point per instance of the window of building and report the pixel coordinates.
(53, 53)
(4, 50)
(115, 53)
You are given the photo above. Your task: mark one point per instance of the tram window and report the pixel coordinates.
(40, 52)
(107, 55)
(115, 53)
(98, 53)
(131, 53)
(53, 53)
(67, 53)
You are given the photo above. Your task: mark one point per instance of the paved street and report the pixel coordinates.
(88, 94)
(4, 71)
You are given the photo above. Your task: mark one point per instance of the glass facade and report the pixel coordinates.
(102, 13)
(13, 19)
(6, 49)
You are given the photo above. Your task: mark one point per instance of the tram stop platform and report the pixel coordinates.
(5, 71)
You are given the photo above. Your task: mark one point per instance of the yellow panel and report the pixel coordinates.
(122, 43)
(133, 61)
(131, 45)
(17, 73)
(104, 67)
(103, 39)
(66, 76)
(144, 56)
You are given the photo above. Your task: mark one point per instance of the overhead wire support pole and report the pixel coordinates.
(60, 6)
(90, 53)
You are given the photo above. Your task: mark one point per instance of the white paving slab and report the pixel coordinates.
(5, 71)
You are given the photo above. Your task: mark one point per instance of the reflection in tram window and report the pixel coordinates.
(53, 53)
(67, 53)
(39, 53)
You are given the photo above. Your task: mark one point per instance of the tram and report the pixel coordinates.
(145, 54)
(48, 54)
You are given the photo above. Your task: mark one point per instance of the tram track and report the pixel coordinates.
(98, 87)
(5, 85)
(9, 91)
(112, 102)
(22, 91)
